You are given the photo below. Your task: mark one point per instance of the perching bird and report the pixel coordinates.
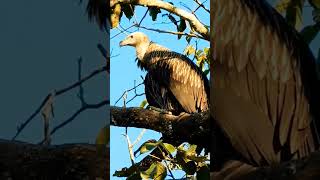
(266, 92)
(173, 82)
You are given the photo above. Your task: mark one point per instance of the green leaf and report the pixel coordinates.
(172, 19)
(199, 52)
(153, 12)
(206, 50)
(134, 176)
(148, 146)
(187, 165)
(196, 158)
(170, 148)
(309, 33)
(282, 5)
(143, 103)
(189, 50)
(203, 173)
(128, 10)
(206, 72)
(156, 171)
(188, 38)
(125, 171)
(294, 13)
(191, 150)
(182, 26)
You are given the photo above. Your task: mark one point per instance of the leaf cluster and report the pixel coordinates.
(183, 157)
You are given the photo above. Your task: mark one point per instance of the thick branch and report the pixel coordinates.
(184, 128)
(191, 18)
(306, 168)
(19, 160)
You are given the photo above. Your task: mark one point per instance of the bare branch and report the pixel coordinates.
(83, 108)
(126, 91)
(122, 31)
(201, 5)
(57, 93)
(139, 137)
(145, 14)
(172, 32)
(130, 148)
(191, 18)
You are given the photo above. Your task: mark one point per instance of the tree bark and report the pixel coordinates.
(307, 169)
(20, 160)
(191, 18)
(192, 128)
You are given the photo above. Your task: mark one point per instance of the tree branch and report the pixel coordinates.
(171, 32)
(190, 128)
(306, 168)
(20, 160)
(191, 18)
(57, 93)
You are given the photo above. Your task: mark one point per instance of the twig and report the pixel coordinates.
(171, 174)
(135, 93)
(201, 5)
(139, 137)
(128, 91)
(155, 157)
(145, 14)
(122, 31)
(59, 92)
(172, 32)
(195, 23)
(81, 92)
(134, 14)
(88, 106)
(130, 148)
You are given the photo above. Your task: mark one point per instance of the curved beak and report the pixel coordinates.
(122, 43)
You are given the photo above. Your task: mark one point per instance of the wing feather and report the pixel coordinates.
(259, 69)
(179, 75)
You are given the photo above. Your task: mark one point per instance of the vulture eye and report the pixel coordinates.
(131, 36)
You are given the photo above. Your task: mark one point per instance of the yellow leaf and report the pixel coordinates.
(189, 50)
(115, 16)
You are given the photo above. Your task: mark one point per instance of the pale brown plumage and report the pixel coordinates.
(173, 81)
(264, 79)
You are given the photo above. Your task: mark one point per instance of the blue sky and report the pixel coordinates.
(124, 72)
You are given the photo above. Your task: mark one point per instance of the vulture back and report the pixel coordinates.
(266, 89)
(173, 81)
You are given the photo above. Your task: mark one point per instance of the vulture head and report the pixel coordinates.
(138, 40)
